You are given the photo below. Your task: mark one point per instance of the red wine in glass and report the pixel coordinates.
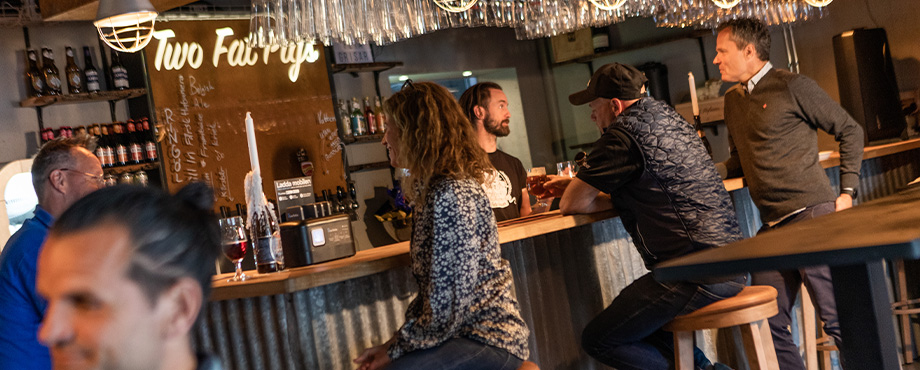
(236, 250)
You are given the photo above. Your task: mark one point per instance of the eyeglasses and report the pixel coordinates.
(97, 178)
(409, 84)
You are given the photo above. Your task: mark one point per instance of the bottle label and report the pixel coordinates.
(151, 151)
(38, 84)
(306, 168)
(109, 156)
(74, 79)
(122, 154)
(100, 153)
(121, 77)
(47, 54)
(54, 82)
(137, 154)
(69, 52)
(92, 80)
(600, 40)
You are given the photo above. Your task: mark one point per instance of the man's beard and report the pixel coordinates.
(496, 128)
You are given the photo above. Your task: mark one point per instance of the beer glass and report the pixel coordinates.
(536, 177)
(234, 243)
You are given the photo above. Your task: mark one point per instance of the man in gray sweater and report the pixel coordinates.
(772, 117)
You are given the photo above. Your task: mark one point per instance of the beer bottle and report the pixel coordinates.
(90, 74)
(108, 145)
(100, 143)
(50, 71)
(119, 73)
(150, 144)
(135, 150)
(369, 117)
(121, 150)
(358, 122)
(34, 77)
(74, 73)
(381, 117)
(345, 116)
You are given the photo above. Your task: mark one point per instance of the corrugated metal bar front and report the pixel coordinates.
(562, 280)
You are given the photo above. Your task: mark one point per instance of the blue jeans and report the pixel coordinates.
(787, 283)
(627, 334)
(458, 353)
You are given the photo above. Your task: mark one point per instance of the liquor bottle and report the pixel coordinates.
(358, 123)
(50, 71)
(600, 38)
(381, 117)
(345, 116)
(90, 74)
(369, 117)
(74, 74)
(34, 77)
(105, 142)
(150, 144)
(135, 150)
(121, 150)
(264, 232)
(119, 73)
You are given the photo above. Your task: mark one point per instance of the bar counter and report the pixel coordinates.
(566, 270)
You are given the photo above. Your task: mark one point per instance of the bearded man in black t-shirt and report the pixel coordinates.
(486, 105)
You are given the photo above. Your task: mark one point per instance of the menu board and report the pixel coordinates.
(204, 78)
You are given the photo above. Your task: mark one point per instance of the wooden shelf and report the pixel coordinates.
(364, 67)
(369, 167)
(131, 168)
(82, 98)
(363, 139)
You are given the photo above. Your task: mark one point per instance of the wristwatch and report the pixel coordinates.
(850, 191)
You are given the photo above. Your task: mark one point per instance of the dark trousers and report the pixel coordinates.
(787, 283)
(458, 354)
(627, 335)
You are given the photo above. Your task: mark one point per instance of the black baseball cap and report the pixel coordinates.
(610, 81)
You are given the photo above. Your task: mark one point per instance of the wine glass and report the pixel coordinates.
(234, 243)
(536, 177)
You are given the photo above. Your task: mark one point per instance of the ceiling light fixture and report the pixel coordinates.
(818, 3)
(608, 4)
(726, 4)
(125, 25)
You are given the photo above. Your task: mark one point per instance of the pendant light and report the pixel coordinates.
(818, 3)
(726, 4)
(608, 4)
(125, 25)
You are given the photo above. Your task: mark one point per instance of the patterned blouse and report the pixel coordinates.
(464, 284)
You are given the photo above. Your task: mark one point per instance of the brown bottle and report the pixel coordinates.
(135, 150)
(74, 74)
(50, 72)
(121, 150)
(34, 77)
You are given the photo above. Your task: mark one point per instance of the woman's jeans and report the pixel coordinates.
(628, 335)
(458, 353)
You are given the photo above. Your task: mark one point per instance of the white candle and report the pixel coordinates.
(693, 103)
(253, 151)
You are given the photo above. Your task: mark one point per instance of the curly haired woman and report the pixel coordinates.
(465, 316)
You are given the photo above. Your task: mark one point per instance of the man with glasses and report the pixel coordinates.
(486, 105)
(63, 171)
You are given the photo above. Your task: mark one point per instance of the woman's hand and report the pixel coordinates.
(374, 358)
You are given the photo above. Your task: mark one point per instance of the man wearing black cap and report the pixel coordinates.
(651, 166)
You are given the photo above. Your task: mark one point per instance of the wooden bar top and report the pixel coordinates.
(372, 261)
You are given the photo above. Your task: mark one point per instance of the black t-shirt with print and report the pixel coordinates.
(505, 189)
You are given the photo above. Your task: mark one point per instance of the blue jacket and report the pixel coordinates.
(21, 309)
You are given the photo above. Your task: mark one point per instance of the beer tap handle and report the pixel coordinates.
(353, 193)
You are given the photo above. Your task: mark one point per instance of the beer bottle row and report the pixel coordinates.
(360, 122)
(46, 80)
(117, 143)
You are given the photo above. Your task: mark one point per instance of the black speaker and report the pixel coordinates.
(868, 88)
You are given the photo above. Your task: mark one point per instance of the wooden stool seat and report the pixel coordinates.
(746, 313)
(527, 365)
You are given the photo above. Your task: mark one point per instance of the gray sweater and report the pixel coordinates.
(773, 138)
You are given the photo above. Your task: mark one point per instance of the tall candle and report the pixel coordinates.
(693, 102)
(253, 151)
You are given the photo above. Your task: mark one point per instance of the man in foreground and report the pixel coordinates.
(126, 271)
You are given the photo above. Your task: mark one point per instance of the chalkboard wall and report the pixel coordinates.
(204, 79)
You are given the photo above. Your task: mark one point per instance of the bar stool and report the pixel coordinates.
(746, 313)
(904, 308)
(813, 344)
(527, 365)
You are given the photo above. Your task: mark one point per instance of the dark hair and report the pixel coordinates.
(747, 31)
(171, 236)
(478, 94)
(56, 154)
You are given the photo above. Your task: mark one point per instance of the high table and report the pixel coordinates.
(854, 244)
